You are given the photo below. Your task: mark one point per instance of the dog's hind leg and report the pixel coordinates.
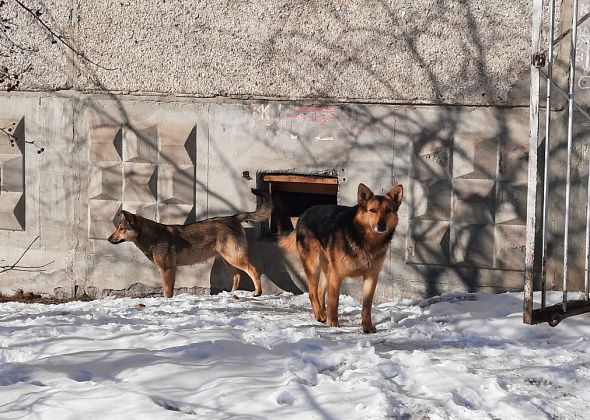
(235, 275)
(253, 273)
(241, 262)
(311, 265)
(322, 287)
(323, 283)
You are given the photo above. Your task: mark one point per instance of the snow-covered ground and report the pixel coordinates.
(466, 356)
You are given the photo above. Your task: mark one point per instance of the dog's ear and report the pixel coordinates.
(129, 217)
(364, 194)
(396, 194)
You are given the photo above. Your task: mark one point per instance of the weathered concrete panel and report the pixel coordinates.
(153, 146)
(462, 213)
(51, 208)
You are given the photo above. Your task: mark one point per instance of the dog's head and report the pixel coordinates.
(126, 228)
(379, 212)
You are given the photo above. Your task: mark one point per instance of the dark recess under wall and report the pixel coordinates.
(297, 193)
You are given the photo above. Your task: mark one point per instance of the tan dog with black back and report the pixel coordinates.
(170, 246)
(344, 242)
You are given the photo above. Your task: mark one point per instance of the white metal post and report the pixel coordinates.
(532, 169)
(570, 123)
(547, 153)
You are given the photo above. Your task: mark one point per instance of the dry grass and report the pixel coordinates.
(30, 297)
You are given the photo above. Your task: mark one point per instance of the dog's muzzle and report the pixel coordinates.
(115, 241)
(379, 228)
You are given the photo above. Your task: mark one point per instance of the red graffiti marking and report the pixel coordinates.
(316, 117)
(316, 114)
(313, 108)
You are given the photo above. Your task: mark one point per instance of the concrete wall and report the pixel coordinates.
(187, 96)
(462, 52)
(464, 169)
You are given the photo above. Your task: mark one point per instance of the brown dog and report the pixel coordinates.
(170, 246)
(344, 242)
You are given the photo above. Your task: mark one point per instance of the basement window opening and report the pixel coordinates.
(297, 193)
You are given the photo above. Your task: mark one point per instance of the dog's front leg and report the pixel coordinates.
(313, 274)
(167, 268)
(369, 284)
(168, 279)
(322, 287)
(334, 283)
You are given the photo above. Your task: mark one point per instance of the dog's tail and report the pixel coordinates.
(286, 235)
(288, 242)
(263, 213)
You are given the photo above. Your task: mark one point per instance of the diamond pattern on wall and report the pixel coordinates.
(472, 245)
(468, 202)
(149, 171)
(430, 201)
(475, 157)
(141, 146)
(430, 242)
(140, 171)
(106, 144)
(431, 160)
(433, 199)
(103, 214)
(105, 182)
(474, 201)
(511, 209)
(177, 175)
(12, 175)
(141, 183)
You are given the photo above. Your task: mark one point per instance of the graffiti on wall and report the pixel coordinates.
(288, 121)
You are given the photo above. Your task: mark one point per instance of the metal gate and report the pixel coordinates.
(542, 66)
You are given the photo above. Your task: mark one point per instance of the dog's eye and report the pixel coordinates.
(373, 210)
(387, 210)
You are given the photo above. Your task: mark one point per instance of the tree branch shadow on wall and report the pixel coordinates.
(425, 132)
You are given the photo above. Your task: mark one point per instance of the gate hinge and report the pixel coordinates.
(539, 59)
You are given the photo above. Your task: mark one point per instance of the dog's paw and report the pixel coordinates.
(256, 293)
(332, 323)
(369, 329)
(320, 316)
